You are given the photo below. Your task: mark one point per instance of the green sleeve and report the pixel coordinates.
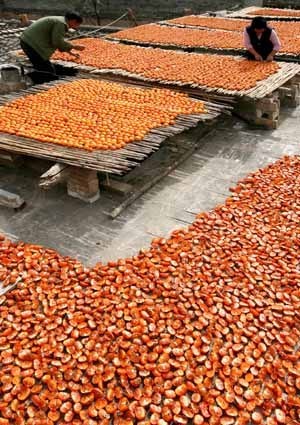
(58, 41)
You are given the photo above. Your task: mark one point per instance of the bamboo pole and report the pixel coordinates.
(117, 161)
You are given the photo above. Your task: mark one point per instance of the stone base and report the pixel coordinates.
(269, 124)
(83, 197)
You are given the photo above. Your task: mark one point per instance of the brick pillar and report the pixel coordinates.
(83, 184)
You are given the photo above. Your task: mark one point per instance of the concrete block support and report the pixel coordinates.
(264, 112)
(290, 93)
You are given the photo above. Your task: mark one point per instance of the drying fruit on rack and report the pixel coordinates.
(213, 71)
(275, 12)
(183, 37)
(93, 114)
(202, 328)
(283, 29)
(201, 38)
(210, 22)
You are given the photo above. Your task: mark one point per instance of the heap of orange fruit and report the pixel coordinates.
(213, 71)
(203, 328)
(265, 11)
(283, 29)
(93, 114)
(201, 38)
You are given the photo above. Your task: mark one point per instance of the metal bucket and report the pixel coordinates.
(11, 78)
(10, 73)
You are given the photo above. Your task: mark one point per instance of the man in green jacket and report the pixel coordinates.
(43, 37)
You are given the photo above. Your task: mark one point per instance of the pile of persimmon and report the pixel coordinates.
(214, 71)
(266, 11)
(202, 328)
(283, 29)
(93, 114)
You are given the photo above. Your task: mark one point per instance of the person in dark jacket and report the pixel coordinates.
(42, 38)
(260, 40)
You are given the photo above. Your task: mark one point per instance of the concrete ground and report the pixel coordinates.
(228, 153)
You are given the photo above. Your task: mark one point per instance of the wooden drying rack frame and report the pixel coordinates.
(244, 13)
(282, 56)
(263, 88)
(116, 161)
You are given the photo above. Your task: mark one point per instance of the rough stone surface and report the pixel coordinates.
(143, 8)
(9, 38)
(227, 154)
(291, 4)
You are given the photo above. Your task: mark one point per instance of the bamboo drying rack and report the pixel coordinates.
(169, 23)
(262, 89)
(282, 56)
(244, 13)
(116, 161)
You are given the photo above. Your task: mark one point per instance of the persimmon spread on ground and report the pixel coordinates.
(202, 328)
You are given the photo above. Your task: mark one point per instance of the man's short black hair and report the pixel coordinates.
(73, 16)
(259, 23)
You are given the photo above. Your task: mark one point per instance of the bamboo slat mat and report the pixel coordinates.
(262, 89)
(248, 13)
(205, 47)
(170, 23)
(283, 28)
(117, 161)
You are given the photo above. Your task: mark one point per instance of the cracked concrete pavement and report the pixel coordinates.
(228, 153)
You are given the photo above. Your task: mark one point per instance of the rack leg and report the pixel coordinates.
(83, 184)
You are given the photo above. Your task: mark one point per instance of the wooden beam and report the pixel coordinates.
(55, 175)
(11, 200)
